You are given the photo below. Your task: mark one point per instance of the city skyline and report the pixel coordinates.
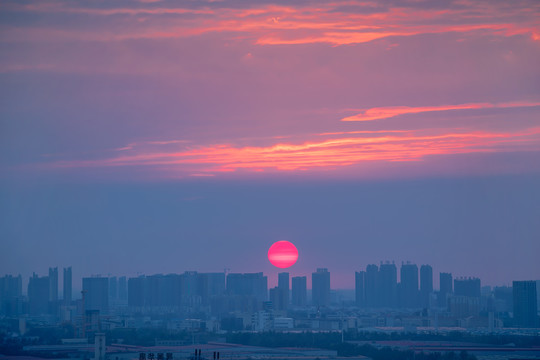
(223, 302)
(75, 284)
(376, 287)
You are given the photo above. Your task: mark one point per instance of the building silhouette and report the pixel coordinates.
(38, 295)
(136, 292)
(426, 285)
(503, 298)
(249, 284)
(11, 295)
(190, 289)
(53, 284)
(467, 287)
(445, 289)
(320, 287)
(537, 294)
(409, 286)
(113, 289)
(465, 301)
(299, 291)
(525, 303)
(278, 298)
(387, 285)
(122, 290)
(211, 285)
(96, 294)
(370, 286)
(156, 291)
(359, 285)
(283, 284)
(67, 292)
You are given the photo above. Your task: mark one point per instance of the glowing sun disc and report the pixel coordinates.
(283, 254)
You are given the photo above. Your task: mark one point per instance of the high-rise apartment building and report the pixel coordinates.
(371, 286)
(445, 289)
(426, 285)
(359, 285)
(503, 298)
(53, 284)
(166, 291)
(467, 287)
(320, 287)
(189, 282)
(465, 301)
(211, 285)
(249, 284)
(278, 298)
(283, 284)
(153, 290)
(190, 289)
(113, 289)
(299, 291)
(537, 293)
(38, 295)
(122, 290)
(387, 285)
(11, 295)
(525, 303)
(67, 288)
(409, 285)
(96, 294)
(136, 291)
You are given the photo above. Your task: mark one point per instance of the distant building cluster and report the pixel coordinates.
(378, 287)
(243, 301)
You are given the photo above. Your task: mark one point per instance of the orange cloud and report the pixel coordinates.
(364, 132)
(335, 38)
(292, 25)
(327, 154)
(390, 112)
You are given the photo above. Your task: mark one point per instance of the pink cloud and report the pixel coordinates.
(389, 112)
(293, 25)
(329, 154)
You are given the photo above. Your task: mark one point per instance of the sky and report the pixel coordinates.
(158, 136)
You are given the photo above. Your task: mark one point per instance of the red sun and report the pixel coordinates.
(282, 254)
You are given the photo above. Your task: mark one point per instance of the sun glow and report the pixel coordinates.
(283, 254)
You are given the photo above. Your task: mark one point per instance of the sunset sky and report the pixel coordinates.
(197, 133)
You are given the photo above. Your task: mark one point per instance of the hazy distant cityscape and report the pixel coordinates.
(243, 301)
(226, 303)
